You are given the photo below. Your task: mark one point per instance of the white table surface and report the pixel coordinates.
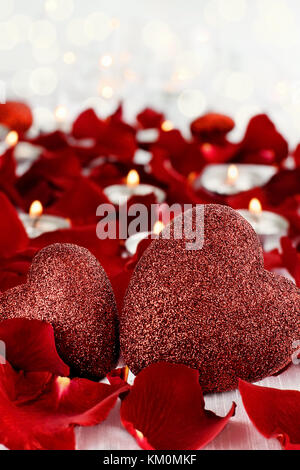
(240, 434)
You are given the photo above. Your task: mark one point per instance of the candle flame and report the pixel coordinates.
(255, 206)
(232, 174)
(106, 61)
(60, 113)
(36, 209)
(126, 373)
(167, 125)
(12, 138)
(158, 227)
(139, 434)
(63, 383)
(133, 178)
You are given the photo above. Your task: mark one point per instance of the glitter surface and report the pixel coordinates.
(216, 309)
(68, 288)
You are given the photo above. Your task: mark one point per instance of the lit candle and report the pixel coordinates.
(167, 125)
(147, 136)
(133, 241)
(61, 115)
(119, 194)
(270, 227)
(12, 138)
(233, 179)
(36, 223)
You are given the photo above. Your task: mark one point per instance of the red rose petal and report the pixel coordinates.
(30, 346)
(8, 176)
(150, 119)
(15, 115)
(291, 259)
(275, 413)
(39, 411)
(80, 202)
(13, 237)
(262, 142)
(118, 376)
(113, 137)
(165, 410)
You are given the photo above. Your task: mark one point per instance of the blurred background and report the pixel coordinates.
(239, 57)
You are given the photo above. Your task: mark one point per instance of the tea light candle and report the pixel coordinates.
(133, 241)
(270, 227)
(233, 179)
(36, 224)
(119, 194)
(61, 118)
(147, 136)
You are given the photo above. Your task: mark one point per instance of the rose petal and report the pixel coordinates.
(8, 176)
(30, 346)
(284, 184)
(39, 411)
(262, 142)
(13, 237)
(15, 115)
(291, 259)
(150, 119)
(275, 413)
(165, 409)
(113, 137)
(80, 202)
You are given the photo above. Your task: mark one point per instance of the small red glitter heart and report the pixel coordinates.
(215, 309)
(68, 288)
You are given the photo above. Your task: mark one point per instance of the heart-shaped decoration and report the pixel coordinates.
(68, 288)
(215, 309)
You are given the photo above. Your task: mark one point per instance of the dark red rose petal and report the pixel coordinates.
(80, 202)
(39, 411)
(165, 410)
(112, 136)
(13, 237)
(284, 184)
(118, 376)
(262, 142)
(49, 177)
(86, 125)
(272, 259)
(8, 176)
(275, 413)
(55, 140)
(291, 259)
(30, 346)
(150, 119)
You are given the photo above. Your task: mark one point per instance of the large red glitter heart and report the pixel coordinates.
(215, 309)
(68, 288)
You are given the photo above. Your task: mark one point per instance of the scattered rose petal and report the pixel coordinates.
(164, 410)
(262, 142)
(150, 119)
(13, 237)
(275, 413)
(30, 346)
(39, 410)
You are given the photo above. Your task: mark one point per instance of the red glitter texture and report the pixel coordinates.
(216, 309)
(68, 288)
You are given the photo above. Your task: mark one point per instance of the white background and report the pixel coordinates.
(236, 56)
